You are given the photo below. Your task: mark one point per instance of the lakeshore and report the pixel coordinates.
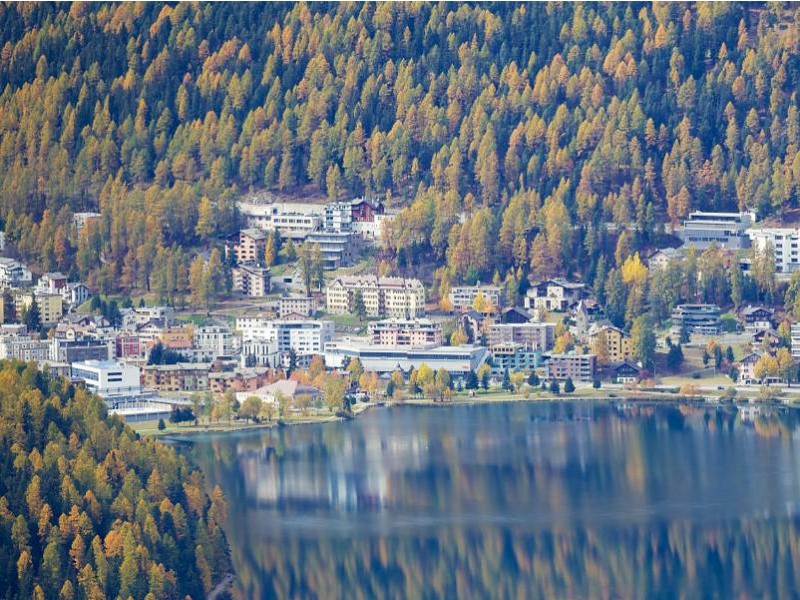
(620, 396)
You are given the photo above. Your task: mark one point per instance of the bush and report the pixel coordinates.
(596, 384)
(554, 387)
(569, 387)
(161, 425)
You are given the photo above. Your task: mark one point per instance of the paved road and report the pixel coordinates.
(221, 587)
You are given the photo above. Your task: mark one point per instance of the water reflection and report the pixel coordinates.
(515, 500)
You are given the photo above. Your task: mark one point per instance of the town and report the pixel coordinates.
(326, 330)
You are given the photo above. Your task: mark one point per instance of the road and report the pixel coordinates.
(221, 587)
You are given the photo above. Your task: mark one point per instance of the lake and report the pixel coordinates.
(522, 500)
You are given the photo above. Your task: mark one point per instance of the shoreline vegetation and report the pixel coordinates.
(150, 428)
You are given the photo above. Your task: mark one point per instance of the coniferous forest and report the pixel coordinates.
(89, 510)
(566, 136)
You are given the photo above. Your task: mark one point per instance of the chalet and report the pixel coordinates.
(766, 337)
(747, 367)
(624, 372)
(756, 318)
(364, 210)
(554, 295)
(473, 323)
(660, 259)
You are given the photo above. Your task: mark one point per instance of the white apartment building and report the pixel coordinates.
(463, 297)
(294, 220)
(212, 341)
(13, 273)
(405, 332)
(785, 243)
(725, 229)
(338, 217)
(262, 353)
(305, 337)
(383, 296)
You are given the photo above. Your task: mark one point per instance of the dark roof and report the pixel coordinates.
(750, 310)
(515, 311)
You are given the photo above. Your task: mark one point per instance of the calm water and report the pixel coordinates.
(521, 500)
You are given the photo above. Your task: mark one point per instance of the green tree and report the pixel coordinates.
(643, 341)
(359, 308)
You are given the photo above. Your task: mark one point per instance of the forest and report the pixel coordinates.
(90, 510)
(564, 137)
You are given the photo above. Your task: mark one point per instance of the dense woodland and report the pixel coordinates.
(89, 510)
(523, 140)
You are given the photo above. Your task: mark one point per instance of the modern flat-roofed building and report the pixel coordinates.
(338, 216)
(535, 336)
(463, 297)
(695, 318)
(293, 220)
(383, 296)
(405, 332)
(578, 367)
(514, 357)
(108, 378)
(338, 248)
(725, 229)
(456, 360)
(212, 341)
(783, 242)
(72, 351)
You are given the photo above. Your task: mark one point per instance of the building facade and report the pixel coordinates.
(463, 298)
(535, 336)
(304, 337)
(784, 242)
(612, 343)
(252, 246)
(554, 295)
(695, 318)
(725, 229)
(293, 220)
(251, 281)
(405, 332)
(578, 367)
(296, 305)
(382, 296)
(456, 360)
